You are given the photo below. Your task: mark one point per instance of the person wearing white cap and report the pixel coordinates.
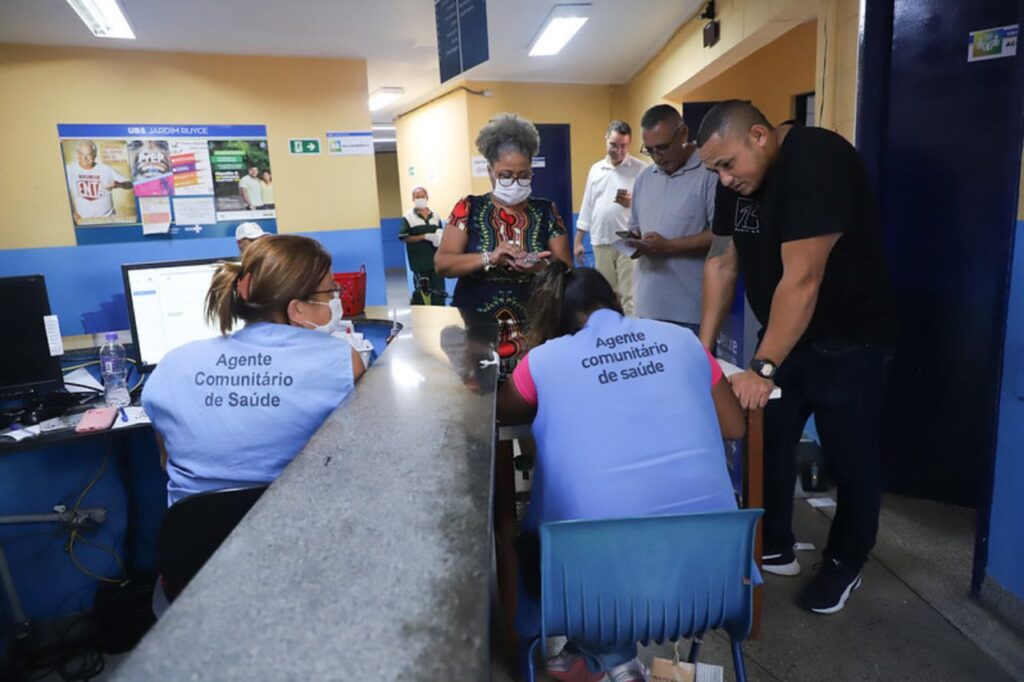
(246, 234)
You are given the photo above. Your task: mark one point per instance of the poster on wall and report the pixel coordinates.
(143, 182)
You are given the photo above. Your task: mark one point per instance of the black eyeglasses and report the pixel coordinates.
(659, 149)
(508, 180)
(335, 289)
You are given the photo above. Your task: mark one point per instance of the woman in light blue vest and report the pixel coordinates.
(234, 410)
(629, 416)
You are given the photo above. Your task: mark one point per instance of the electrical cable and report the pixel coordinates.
(74, 536)
(93, 389)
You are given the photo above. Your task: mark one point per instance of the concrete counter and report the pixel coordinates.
(370, 558)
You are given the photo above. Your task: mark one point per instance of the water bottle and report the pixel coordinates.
(114, 369)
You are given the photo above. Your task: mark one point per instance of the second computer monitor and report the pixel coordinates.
(167, 305)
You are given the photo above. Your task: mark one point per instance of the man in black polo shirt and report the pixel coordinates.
(795, 215)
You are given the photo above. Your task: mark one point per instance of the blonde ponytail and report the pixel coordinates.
(275, 270)
(222, 298)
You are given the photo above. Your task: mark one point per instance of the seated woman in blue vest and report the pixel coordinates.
(629, 416)
(234, 410)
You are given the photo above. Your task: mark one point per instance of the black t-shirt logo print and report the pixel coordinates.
(747, 219)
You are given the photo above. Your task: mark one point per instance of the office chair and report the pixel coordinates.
(192, 530)
(658, 578)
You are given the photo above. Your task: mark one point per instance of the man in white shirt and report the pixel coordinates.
(91, 184)
(250, 189)
(605, 211)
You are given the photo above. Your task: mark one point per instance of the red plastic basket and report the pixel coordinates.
(353, 291)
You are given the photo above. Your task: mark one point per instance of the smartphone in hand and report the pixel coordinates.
(627, 234)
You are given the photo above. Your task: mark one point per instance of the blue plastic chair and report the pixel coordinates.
(656, 578)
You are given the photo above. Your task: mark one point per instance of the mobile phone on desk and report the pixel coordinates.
(97, 419)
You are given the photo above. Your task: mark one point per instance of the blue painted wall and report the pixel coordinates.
(32, 482)
(1006, 539)
(87, 291)
(394, 250)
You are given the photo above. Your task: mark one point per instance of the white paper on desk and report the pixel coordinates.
(728, 369)
(62, 423)
(136, 415)
(53, 339)
(821, 501)
(87, 381)
(21, 433)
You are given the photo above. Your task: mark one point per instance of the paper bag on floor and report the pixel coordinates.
(665, 670)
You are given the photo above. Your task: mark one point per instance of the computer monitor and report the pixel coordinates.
(27, 367)
(167, 306)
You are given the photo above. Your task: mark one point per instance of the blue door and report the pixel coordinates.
(941, 134)
(552, 170)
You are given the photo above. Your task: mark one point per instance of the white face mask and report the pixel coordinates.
(420, 203)
(334, 324)
(511, 196)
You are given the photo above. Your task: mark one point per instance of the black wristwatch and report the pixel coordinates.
(764, 368)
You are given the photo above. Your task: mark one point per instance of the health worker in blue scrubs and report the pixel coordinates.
(234, 410)
(629, 416)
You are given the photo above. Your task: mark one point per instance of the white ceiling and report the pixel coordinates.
(396, 37)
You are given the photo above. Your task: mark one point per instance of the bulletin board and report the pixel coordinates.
(130, 183)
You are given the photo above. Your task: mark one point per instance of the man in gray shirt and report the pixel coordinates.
(673, 207)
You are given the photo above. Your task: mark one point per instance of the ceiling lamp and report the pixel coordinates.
(384, 96)
(104, 18)
(561, 25)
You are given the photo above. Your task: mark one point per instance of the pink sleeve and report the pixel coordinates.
(523, 381)
(716, 369)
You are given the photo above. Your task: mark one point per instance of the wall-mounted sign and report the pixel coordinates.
(304, 146)
(461, 35)
(992, 43)
(350, 143)
(128, 182)
(479, 167)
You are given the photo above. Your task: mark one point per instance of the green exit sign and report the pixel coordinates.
(304, 146)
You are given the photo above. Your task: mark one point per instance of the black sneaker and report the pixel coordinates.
(780, 561)
(830, 588)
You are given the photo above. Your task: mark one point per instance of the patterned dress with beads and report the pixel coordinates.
(501, 292)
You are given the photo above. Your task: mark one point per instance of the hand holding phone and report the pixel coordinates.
(98, 419)
(628, 234)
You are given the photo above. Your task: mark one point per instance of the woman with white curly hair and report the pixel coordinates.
(496, 242)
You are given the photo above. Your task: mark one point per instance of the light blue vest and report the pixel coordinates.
(235, 410)
(625, 424)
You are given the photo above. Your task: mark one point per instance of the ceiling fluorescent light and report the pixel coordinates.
(104, 18)
(384, 96)
(561, 25)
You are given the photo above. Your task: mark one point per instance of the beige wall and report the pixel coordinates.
(836, 74)
(44, 86)
(584, 107)
(389, 195)
(438, 139)
(433, 151)
(769, 78)
(685, 66)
